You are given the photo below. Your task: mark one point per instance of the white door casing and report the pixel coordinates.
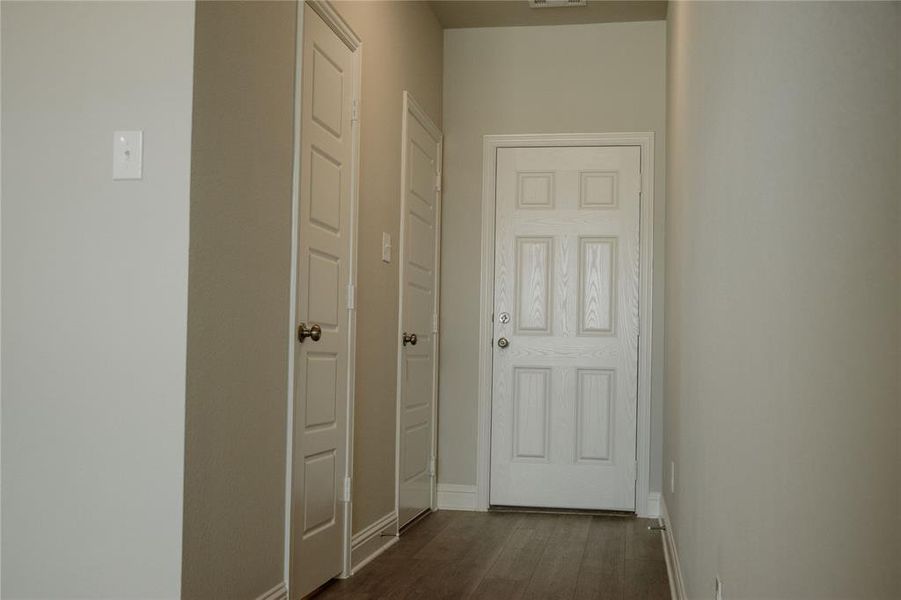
(647, 504)
(325, 190)
(418, 312)
(566, 299)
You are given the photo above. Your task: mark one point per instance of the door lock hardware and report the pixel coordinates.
(409, 338)
(314, 332)
(503, 342)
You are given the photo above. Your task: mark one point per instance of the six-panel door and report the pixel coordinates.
(419, 308)
(321, 367)
(566, 304)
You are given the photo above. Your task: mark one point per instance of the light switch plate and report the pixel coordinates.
(386, 247)
(128, 155)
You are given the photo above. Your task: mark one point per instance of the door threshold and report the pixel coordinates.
(561, 511)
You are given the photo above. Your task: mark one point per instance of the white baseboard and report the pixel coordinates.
(369, 543)
(279, 592)
(452, 496)
(673, 569)
(653, 506)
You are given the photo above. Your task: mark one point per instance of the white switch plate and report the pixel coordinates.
(386, 247)
(128, 154)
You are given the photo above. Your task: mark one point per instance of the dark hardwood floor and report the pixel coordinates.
(500, 555)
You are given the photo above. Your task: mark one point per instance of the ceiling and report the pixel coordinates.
(506, 13)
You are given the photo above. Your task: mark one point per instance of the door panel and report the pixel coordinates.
(566, 300)
(321, 367)
(417, 374)
(533, 274)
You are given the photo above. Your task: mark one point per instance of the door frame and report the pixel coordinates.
(332, 18)
(412, 108)
(644, 506)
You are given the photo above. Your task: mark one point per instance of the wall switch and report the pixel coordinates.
(719, 589)
(386, 247)
(672, 477)
(128, 154)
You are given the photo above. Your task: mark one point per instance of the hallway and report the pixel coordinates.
(277, 277)
(499, 555)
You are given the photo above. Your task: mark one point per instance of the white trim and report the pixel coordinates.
(372, 541)
(411, 107)
(279, 592)
(332, 17)
(292, 299)
(645, 141)
(653, 505)
(373, 528)
(673, 568)
(352, 262)
(326, 10)
(456, 497)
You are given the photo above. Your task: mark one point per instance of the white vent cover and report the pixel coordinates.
(555, 3)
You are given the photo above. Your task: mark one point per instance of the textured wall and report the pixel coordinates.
(563, 79)
(238, 304)
(782, 349)
(402, 50)
(94, 293)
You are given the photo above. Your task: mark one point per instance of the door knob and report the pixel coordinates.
(314, 332)
(503, 342)
(409, 338)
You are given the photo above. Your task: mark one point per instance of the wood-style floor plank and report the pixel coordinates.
(514, 556)
(458, 571)
(641, 543)
(645, 580)
(557, 572)
(421, 533)
(512, 570)
(602, 571)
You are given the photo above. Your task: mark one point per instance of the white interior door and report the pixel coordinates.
(417, 364)
(566, 327)
(323, 337)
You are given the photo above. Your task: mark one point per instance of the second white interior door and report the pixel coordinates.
(564, 400)
(417, 364)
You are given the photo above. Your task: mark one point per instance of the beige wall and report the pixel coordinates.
(94, 293)
(402, 50)
(117, 257)
(238, 303)
(782, 348)
(898, 76)
(240, 245)
(562, 79)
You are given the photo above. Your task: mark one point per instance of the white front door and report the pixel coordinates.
(323, 323)
(564, 401)
(417, 372)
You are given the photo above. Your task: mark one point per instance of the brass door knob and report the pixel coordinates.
(314, 332)
(409, 338)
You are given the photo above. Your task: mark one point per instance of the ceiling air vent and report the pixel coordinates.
(555, 3)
